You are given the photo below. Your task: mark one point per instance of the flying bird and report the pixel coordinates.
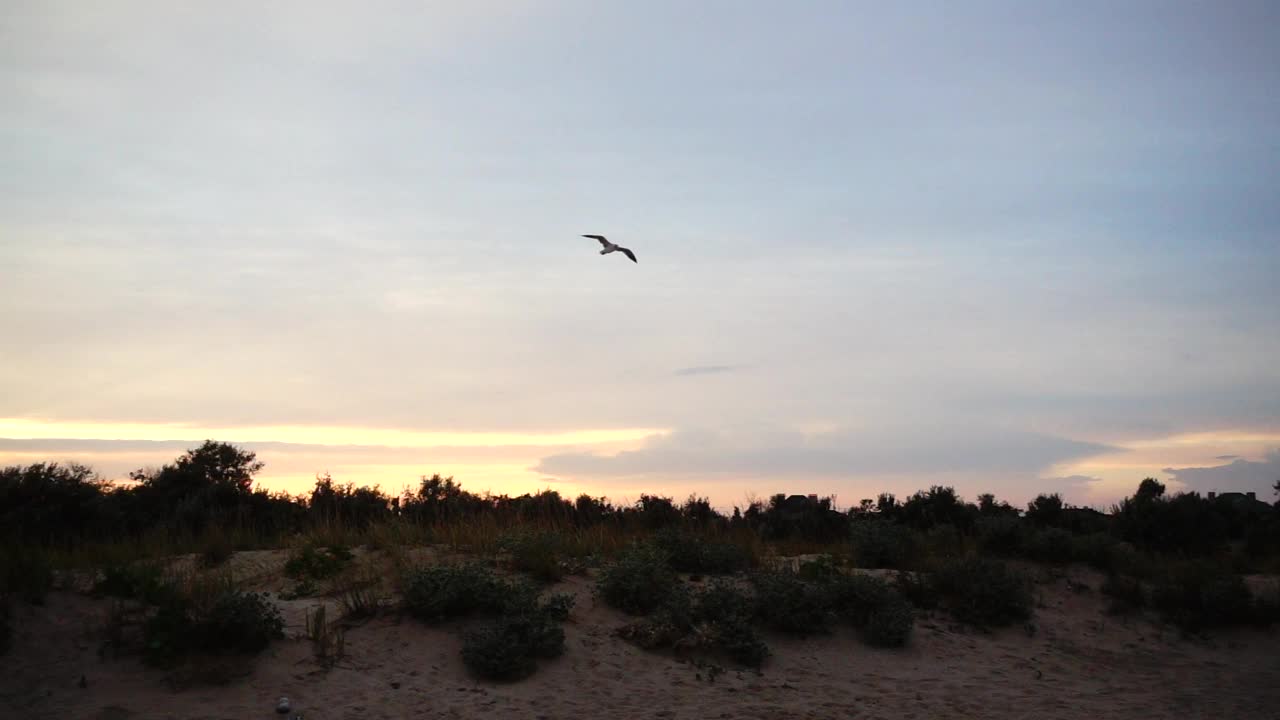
(610, 247)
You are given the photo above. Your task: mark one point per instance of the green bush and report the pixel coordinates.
(820, 569)
(318, 563)
(638, 582)
(883, 544)
(686, 552)
(558, 606)
(507, 648)
(537, 553)
(440, 592)
(234, 621)
(1050, 545)
(787, 603)
(984, 592)
(239, 621)
(856, 596)
(716, 620)
(872, 605)
(139, 581)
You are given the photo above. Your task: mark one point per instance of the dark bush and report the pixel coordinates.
(233, 621)
(1001, 534)
(918, 588)
(1050, 545)
(879, 543)
(787, 603)
(1203, 595)
(26, 573)
(6, 623)
(216, 551)
(139, 581)
(558, 606)
(854, 597)
(316, 562)
(1098, 549)
(507, 648)
(239, 622)
(535, 552)
(716, 621)
(638, 582)
(890, 624)
(1127, 594)
(687, 552)
(984, 592)
(440, 592)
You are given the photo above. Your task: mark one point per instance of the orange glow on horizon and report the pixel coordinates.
(28, 429)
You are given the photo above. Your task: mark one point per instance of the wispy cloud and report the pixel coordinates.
(706, 370)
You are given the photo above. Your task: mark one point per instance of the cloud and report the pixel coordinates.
(846, 453)
(1226, 457)
(1239, 475)
(705, 370)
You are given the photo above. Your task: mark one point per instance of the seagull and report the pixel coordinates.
(610, 247)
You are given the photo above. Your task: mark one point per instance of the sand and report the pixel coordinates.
(1073, 661)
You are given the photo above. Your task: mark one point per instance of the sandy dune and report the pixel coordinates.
(1073, 662)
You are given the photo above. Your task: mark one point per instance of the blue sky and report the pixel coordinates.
(1006, 246)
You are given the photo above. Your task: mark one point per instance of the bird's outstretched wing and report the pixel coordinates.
(600, 238)
(629, 254)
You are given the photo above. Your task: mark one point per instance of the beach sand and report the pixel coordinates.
(1072, 661)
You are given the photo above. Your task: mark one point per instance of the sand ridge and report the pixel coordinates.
(1071, 661)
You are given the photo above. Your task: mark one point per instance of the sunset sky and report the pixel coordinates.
(1015, 247)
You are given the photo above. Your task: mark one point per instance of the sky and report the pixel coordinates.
(1008, 247)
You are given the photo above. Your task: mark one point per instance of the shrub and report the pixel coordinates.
(1050, 545)
(1202, 595)
(918, 588)
(944, 541)
(882, 544)
(821, 569)
(1127, 594)
(233, 621)
(984, 592)
(140, 581)
(856, 596)
(717, 620)
(25, 573)
(6, 624)
(239, 622)
(1001, 535)
(890, 624)
(317, 563)
(787, 603)
(558, 606)
(537, 553)
(638, 582)
(737, 639)
(1098, 549)
(872, 605)
(216, 551)
(687, 552)
(439, 592)
(506, 648)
